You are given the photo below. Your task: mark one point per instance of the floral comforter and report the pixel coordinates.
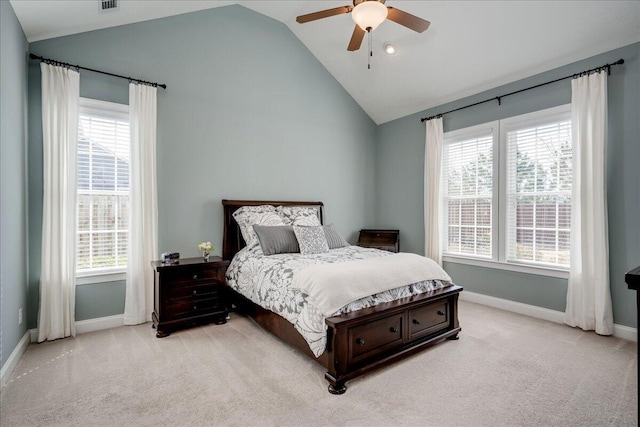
(266, 281)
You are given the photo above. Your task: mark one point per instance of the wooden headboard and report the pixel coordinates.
(232, 240)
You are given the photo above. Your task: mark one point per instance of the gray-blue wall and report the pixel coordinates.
(400, 185)
(13, 180)
(249, 113)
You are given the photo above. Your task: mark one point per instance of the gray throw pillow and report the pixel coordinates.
(277, 239)
(334, 239)
(312, 240)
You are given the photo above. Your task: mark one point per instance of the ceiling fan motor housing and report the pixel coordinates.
(357, 2)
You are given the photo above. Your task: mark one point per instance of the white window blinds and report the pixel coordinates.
(103, 187)
(507, 192)
(468, 193)
(539, 191)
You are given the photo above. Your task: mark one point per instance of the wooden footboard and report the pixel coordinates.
(372, 337)
(365, 339)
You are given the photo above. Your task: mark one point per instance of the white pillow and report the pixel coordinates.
(248, 216)
(299, 215)
(312, 240)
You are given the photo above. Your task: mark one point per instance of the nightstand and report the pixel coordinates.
(189, 292)
(387, 240)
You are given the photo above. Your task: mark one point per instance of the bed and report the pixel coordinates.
(352, 342)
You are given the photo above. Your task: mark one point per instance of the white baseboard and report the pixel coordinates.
(14, 358)
(90, 325)
(620, 331)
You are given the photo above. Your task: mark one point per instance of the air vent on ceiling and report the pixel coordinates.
(108, 5)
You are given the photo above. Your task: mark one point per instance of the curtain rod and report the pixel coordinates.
(78, 67)
(499, 98)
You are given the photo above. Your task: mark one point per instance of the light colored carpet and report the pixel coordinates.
(506, 370)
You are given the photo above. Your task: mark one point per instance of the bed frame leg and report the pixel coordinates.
(339, 388)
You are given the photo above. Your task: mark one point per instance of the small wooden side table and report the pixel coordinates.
(189, 292)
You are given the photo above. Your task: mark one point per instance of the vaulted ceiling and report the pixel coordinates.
(471, 46)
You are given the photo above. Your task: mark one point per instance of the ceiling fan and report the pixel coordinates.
(368, 14)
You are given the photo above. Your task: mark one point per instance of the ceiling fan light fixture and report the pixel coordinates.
(369, 14)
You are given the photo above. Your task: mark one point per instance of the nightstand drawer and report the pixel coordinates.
(187, 307)
(194, 272)
(194, 289)
(429, 319)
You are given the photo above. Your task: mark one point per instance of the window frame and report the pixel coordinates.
(470, 133)
(499, 259)
(116, 110)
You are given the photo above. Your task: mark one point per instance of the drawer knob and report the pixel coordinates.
(440, 313)
(360, 341)
(195, 308)
(416, 322)
(393, 330)
(195, 277)
(195, 292)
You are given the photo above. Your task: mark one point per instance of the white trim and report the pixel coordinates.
(537, 118)
(11, 363)
(472, 132)
(91, 278)
(100, 323)
(619, 331)
(90, 325)
(104, 108)
(521, 268)
(626, 332)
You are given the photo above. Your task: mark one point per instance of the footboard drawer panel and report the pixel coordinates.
(372, 338)
(428, 319)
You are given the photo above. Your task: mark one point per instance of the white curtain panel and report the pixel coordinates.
(588, 294)
(60, 100)
(143, 225)
(432, 190)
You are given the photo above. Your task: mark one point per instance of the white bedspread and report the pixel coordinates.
(266, 280)
(332, 286)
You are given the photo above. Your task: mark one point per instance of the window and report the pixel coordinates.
(468, 192)
(103, 188)
(507, 190)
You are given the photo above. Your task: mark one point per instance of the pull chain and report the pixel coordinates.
(370, 50)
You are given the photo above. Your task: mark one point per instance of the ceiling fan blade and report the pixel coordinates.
(356, 39)
(408, 20)
(323, 14)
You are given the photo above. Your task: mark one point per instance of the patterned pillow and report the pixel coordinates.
(248, 216)
(277, 239)
(299, 215)
(334, 239)
(312, 240)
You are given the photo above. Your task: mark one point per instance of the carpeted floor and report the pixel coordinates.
(506, 370)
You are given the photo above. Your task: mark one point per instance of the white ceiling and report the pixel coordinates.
(471, 46)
